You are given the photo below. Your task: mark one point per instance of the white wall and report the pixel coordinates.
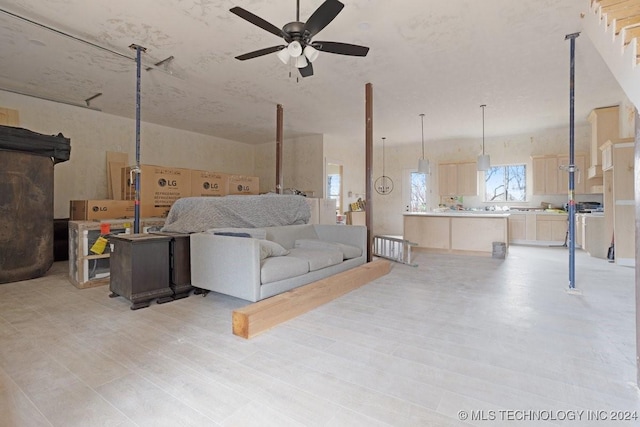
(93, 133)
(350, 153)
(302, 165)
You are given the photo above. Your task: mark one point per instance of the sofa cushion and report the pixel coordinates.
(269, 249)
(348, 251)
(256, 233)
(273, 269)
(286, 235)
(317, 258)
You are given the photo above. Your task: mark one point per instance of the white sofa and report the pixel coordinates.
(252, 268)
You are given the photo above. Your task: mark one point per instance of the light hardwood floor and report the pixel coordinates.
(413, 348)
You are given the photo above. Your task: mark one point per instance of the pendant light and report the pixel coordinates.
(423, 163)
(384, 184)
(484, 162)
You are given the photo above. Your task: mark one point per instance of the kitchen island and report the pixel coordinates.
(469, 233)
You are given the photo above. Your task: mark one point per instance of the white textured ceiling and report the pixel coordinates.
(439, 57)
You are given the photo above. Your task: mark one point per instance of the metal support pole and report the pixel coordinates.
(572, 167)
(136, 212)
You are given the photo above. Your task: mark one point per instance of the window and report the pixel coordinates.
(505, 184)
(418, 200)
(334, 186)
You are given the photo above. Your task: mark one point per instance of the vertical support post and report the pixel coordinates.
(279, 136)
(572, 167)
(136, 212)
(369, 166)
(637, 231)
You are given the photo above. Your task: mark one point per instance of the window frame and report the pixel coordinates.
(506, 167)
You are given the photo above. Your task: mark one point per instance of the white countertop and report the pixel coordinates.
(473, 214)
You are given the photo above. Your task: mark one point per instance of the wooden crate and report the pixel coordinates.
(87, 269)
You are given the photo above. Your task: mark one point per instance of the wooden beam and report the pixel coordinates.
(256, 318)
(279, 141)
(621, 10)
(630, 21)
(369, 167)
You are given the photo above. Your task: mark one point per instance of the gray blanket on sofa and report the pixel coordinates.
(196, 214)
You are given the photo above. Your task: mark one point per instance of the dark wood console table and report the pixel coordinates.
(140, 269)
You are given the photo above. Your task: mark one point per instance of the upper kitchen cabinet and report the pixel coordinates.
(468, 179)
(579, 177)
(604, 127)
(545, 175)
(458, 179)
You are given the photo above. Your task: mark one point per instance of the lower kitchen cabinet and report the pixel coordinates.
(537, 228)
(551, 228)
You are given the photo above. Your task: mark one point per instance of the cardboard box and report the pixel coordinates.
(85, 210)
(160, 187)
(204, 183)
(242, 184)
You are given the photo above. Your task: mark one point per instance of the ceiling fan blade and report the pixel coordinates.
(306, 71)
(261, 52)
(322, 16)
(341, 48)
(256, 20)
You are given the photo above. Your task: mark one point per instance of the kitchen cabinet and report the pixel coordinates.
(461, 233)
(604, 127)
(522, 227)
(468, 179)
(458, 179)
(448, 179)
(551, 175)
(620, 206)
(590, 234)
(607, 155)
(551, 228)
(545, 175)
(580, 175)
(517, 228)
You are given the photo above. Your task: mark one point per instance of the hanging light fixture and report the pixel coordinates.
(423, 163)
(384, 184)
(484, 162)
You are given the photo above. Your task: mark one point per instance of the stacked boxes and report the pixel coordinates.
(242, 184)
(160, 187)
(204, 183)
(100, 209)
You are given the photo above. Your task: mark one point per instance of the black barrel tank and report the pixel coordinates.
(27, 160)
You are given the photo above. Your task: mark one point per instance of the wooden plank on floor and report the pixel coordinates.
(256, 318)
(9, 117)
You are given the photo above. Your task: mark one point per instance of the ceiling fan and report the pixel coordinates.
(297, 35)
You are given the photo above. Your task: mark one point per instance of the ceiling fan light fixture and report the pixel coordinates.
(301, 61)
(295, 49)
(283, 55)
(311, 53)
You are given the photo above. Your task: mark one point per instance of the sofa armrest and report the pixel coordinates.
(229, 265)
(354, 235)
